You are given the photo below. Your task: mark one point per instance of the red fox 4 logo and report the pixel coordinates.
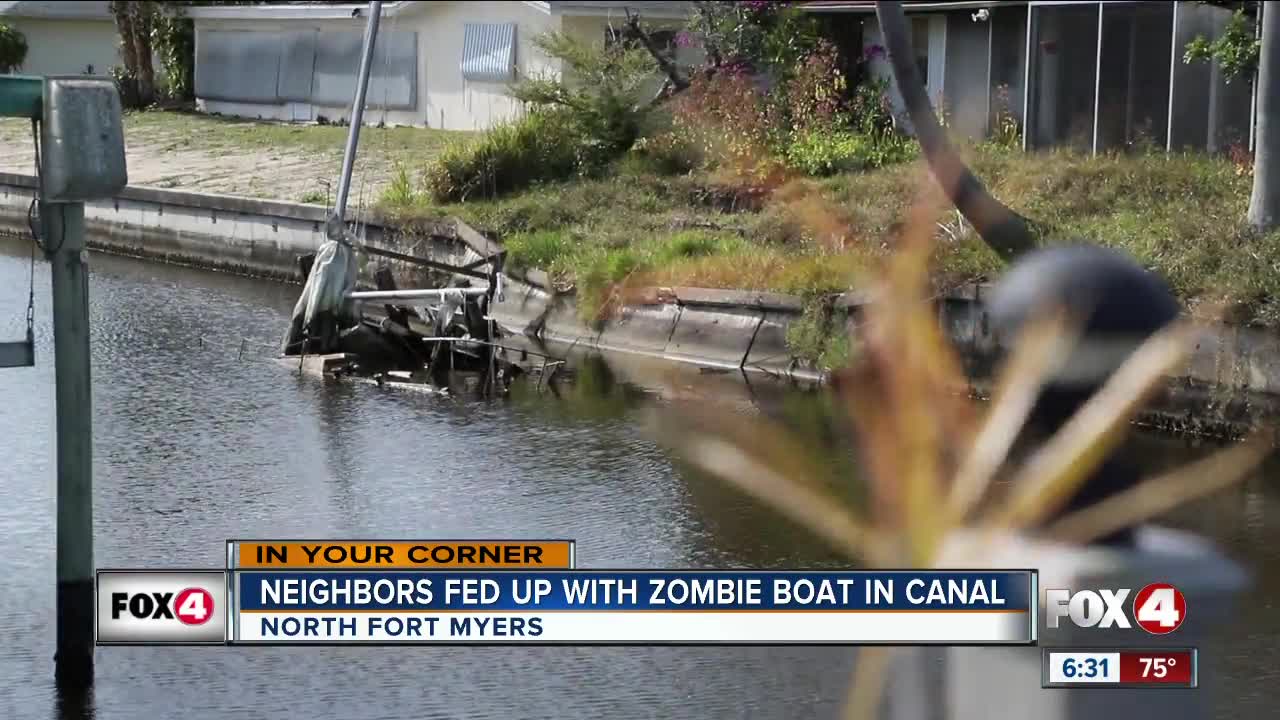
(1158, 608)
(193, 606)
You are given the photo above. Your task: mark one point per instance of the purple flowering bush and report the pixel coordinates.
(775, 96)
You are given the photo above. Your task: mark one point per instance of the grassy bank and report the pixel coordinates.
(1182, 215)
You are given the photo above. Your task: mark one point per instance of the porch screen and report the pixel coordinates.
(489, 52)
(238, 66)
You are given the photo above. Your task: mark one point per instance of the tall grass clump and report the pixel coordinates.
(543, 145)
(541, 249)
(400, 192)
(605, 276)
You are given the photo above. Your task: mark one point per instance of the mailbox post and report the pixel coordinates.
(80, 157)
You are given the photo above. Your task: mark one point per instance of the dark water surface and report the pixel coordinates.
(194, 445)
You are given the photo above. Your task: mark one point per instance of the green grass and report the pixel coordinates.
(1181, 215)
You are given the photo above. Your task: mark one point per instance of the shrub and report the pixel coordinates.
(581, 120)
(892, 150)
(1006, 131)
(773, 35)
(725, 116)
(820, 153)
(173, 36)
(543, 145)
(314, 197)
(871, 110)
(1236, 50)
(817, 336)
(600, 87)
(13, 48)
(127, 85)
(667, 153)
(815, 92)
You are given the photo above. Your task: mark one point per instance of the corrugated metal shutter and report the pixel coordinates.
(489, 52)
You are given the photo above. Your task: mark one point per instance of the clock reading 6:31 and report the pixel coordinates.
(1084, 668)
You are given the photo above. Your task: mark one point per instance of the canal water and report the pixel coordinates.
(197, 442)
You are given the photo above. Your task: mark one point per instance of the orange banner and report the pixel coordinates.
(419, 555)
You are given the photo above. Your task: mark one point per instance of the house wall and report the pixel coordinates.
(240, 63)
(967, 80)
(454, 103)
(435, 96)
(68, 47)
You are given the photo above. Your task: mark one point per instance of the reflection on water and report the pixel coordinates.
(194, 445)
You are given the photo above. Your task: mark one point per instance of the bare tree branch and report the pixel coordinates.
(667, 65)
(1004, 230)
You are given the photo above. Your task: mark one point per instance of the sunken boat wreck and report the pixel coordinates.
(438, 340)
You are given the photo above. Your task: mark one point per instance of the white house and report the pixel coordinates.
(436, 64)
(64, 37)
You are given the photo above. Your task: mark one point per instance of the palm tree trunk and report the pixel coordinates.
(1002, 229)
(142, 19)
(1264, 202)
(124, 27)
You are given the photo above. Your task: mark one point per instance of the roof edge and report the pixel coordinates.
(862, 6)
(333, 11)
(644, 10)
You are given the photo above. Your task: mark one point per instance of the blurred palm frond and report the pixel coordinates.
(929, 458)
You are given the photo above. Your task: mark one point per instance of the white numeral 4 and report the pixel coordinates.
(193, 607)
(1160, 608)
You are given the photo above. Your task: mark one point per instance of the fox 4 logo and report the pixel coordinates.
(192, 606)
(1158, 608)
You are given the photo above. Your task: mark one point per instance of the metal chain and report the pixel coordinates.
(35, 235)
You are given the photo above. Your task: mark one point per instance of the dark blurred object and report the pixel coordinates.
(1117, 305)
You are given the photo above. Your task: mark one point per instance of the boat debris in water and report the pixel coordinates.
(435, 339)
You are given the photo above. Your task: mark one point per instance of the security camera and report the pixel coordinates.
(982, 15)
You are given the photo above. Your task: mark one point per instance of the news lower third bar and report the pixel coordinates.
(341, 606)
(1120, 668)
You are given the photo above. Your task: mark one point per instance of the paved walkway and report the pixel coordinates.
(255, 159)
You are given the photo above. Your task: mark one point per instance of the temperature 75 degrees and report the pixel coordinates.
(1157, 667)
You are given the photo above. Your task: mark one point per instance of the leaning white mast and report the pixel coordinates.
(337, 221)
(324, 305)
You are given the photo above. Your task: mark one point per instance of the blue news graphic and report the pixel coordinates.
(292, 591)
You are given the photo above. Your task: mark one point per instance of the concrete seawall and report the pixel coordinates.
(1230, 385)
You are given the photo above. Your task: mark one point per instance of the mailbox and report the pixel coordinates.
(82, 141)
